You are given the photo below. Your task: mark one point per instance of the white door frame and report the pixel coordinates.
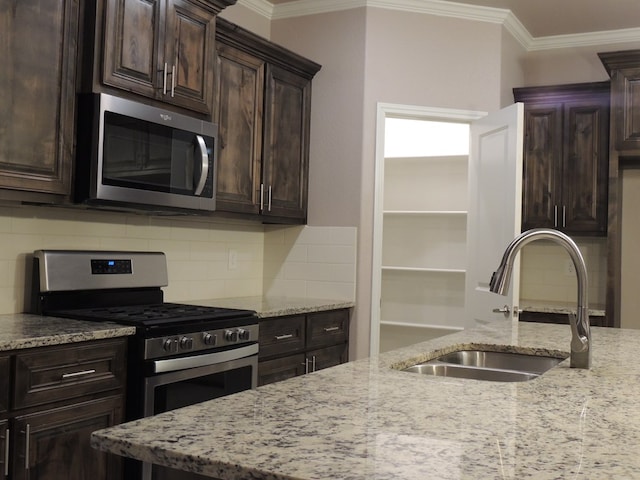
(383, 111)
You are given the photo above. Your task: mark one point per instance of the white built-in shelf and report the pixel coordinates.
(391, 268)
(427, 213)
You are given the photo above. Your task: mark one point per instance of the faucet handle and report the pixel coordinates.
(579, 341)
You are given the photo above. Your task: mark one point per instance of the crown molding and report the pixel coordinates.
(627, 35)
(261, 7)
(445, 8)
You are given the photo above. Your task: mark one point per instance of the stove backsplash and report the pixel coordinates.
(205, 259)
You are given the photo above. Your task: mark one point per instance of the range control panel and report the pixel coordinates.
(162, 347)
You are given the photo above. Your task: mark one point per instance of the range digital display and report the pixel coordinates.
(111, 266)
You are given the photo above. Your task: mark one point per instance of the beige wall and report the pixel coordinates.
(630, 276)
(370, 55)
(251, 20)
(568, 65)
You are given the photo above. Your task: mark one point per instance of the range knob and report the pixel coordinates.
(231, 335)
(170, 345)
(209, 339)
(186, 343)
(243, 334)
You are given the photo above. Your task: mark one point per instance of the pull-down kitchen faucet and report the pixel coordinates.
(580, 332)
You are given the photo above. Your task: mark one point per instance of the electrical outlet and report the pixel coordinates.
(569, 268)
(233, 259)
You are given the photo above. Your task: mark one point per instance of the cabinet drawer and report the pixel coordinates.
(59, 373)
(282, 335)
(281, 368)
(327, 328)
(4, 383)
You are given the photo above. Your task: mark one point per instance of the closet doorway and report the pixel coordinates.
(420, 224)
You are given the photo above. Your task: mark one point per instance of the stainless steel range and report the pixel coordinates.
(181, 354)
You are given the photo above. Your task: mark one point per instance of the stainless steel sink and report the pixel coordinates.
(488, 365)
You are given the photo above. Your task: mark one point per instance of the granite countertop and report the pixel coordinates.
(365, 420)
(266, 307)
(23, 330)
(546, 306)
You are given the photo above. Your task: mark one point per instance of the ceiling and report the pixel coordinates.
(544, 18)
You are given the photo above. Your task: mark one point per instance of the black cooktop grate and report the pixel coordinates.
(154, 314)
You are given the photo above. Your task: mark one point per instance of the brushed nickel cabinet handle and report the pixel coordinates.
(6, 452)
(173, 80)
(331, 329)
(164, 79)
(284, 337)
(27, 435)
(78, 374)
(269, 199)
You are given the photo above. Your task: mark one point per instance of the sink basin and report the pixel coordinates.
(457, 371)
(488, 365)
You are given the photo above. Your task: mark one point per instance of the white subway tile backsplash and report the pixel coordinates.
(543, 275)
(321, 258)
(313, 262)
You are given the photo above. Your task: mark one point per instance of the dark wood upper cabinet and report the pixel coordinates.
(624, 69)
(38, 46)
(286, 144)
(162, 49)
(263, 99)
(565, 171)
(240, 98)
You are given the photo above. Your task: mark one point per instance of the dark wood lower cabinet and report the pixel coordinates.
(4, 438)
(56, 442)
(56, 397)
(299, 344)
(542, 317)
(279, 369)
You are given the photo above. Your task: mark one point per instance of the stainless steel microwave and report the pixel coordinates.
(136, 156)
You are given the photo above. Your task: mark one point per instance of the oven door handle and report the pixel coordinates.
(173, 364)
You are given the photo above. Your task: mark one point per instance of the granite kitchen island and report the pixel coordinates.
(368, 420)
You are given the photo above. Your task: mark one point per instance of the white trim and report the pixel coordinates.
(261, 7)
(384, 110)
(504, 17)
(586, 39)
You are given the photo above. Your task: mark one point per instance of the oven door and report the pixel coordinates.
(226, 372)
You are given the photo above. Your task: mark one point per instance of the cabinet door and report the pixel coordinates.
(286, 144)
(38, 47)
(4, 383)
(239, 100)
(626, 108)
(279, 369)
(585, 166)
(542, 166)
(4, 448)
(132, 36)
(328, 357)
(56, 442)
(189, 55)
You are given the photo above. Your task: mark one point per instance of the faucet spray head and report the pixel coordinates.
(500, 279)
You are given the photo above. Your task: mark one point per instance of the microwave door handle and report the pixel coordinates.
(204, 170)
